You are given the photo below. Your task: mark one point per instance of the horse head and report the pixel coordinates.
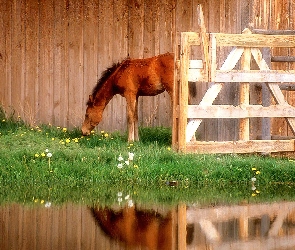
(93, 116)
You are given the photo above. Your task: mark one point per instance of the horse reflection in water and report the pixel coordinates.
(131, 78)
(136, 228)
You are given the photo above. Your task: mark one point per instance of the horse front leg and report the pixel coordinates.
(136, 136)
(132, 118)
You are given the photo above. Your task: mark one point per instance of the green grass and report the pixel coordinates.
(85, 169)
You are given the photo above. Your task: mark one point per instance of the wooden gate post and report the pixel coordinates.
(244, 131)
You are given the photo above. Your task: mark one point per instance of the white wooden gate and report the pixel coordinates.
(245, 46)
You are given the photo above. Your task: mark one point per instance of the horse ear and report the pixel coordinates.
(90, 98)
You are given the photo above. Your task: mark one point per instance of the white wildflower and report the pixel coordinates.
(130, 203)
(120, 158)
(48, 204)
(130, 156)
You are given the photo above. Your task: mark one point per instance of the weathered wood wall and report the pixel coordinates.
(53, 51)
(277, 15)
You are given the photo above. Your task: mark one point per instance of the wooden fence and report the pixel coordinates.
(53, 51)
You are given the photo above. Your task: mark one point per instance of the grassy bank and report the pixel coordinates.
(48, 163)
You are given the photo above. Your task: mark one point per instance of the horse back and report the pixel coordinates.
(147, 77)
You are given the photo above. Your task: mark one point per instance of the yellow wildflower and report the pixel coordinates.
(64, 129)
(258, 172)
(106, 135)
(253, 169)
(37, 155)
(43, 154)
(68, 140)
(135, 166)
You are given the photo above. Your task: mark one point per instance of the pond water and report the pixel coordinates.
(135, 226)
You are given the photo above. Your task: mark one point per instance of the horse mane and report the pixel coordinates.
(104, 76)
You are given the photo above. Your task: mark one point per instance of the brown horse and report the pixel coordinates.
(131, 78)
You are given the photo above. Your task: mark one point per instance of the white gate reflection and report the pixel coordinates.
(249, 226)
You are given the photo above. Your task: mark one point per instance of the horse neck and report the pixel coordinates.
(105, 94)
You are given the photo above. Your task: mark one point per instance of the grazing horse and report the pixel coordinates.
(131, 78)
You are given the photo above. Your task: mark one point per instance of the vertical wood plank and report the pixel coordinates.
(32, 63)
(3, 228)
(183, 91)
(90, 48)
(63, 214)
(175, 98)
(45, 90)
(60, 67)
(181, 217)
(279, 21)
(55, 227)
(13, 236)
(76, 84)
(18, 56)
(28, 223)
(244, 133)
(88, 236)
(4, 52)
(183, 13)
(165, 35)
(136, 28)
(291, 66)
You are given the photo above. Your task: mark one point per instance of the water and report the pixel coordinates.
(134, 226)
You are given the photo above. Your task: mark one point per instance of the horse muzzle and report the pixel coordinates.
(85, 131)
